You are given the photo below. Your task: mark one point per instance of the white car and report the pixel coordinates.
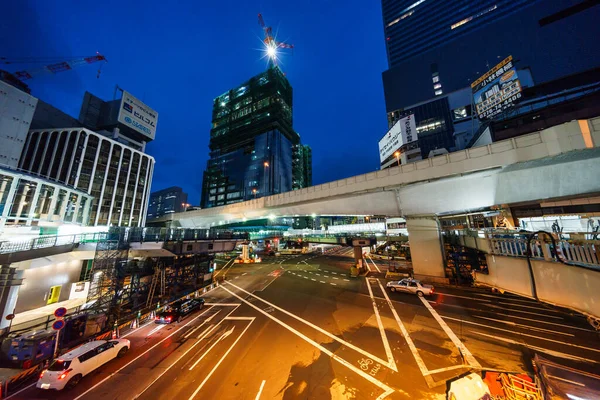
(68, 369)
(411, 286)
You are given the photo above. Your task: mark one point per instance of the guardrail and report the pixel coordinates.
(585, 252)
(43, 242)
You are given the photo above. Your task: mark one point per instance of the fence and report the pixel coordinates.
(576, 251)
(43, 242)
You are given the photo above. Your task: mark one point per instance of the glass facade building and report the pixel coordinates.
(118, 177)
(252, 142)
(437, 48)
(167, 201)
(27, 200)
(413, 27)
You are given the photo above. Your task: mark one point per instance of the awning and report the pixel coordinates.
(150, 253)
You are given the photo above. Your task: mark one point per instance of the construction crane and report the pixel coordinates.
(270, 43)
(17, 78)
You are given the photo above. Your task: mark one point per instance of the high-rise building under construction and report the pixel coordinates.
(254, 149)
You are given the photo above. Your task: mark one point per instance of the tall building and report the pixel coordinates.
(16, 112)
(127, 120)
(251, 142)
(167, 201)
(302, 166)
(437, 48)
(116, 175)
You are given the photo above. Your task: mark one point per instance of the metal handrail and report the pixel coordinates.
(42, 242)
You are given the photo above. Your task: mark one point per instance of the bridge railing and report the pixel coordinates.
(42, 242)
(576, 251)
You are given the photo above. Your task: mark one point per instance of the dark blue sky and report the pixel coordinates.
(178, 56)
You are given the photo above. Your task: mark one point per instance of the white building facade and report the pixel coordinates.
(16, 113)
(117, 176)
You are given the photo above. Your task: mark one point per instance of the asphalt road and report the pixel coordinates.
(298, 327)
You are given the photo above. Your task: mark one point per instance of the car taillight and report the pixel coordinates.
(42, 374)
(168, 318)
(157, 318)
(64, 374)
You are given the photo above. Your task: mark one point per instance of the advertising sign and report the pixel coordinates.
(497, 90)
(403, 132)
(137, 115)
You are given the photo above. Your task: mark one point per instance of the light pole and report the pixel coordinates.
(254, 192)
(397, 155)
(185, 206)
(266, 186)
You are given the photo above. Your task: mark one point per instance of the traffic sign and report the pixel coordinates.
(10, 316)
(60, 312)
(58, 324)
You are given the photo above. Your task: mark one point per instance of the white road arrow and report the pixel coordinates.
(187, 335)
(223, 336)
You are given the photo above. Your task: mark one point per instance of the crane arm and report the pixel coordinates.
(59, 67)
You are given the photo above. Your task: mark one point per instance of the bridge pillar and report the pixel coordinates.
(425, 247)
(358, 258)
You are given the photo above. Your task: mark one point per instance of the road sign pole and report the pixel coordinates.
(56, 343)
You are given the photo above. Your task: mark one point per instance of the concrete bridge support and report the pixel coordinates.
(425, 247)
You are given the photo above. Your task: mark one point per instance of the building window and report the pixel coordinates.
(461, 112)
(436, 79)
(437, 86)
(438, 92)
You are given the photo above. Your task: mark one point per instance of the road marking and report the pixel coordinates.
(315, 327)
(495, 306)
(245, 273)
(548, 323)
(313, 279)
(384, 339)
(437, 371)
(387, 390)
(232, 261)
(335, 277)
(262, 385)
(540, 349)
(378, 270)
(319, 274)
(137, 329)
(187, 335)
(223, 336)
(525, 334)
(459, 345)
(222, 358)
(158, 328)
(411, 344)
(462, 297)
(223, 304)
(239, 318)
(22, 390)
(334, 284)
(524, 326)
(139, 356)
(335, 273)
(346, 280)
(322, 281)
(534, 308)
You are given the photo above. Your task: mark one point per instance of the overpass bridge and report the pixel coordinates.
(554, 164)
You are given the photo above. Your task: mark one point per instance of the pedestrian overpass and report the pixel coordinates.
(557, 163)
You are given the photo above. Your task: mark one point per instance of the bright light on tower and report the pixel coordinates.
(271, 51)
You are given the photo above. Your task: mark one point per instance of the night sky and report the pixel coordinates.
(178, 58)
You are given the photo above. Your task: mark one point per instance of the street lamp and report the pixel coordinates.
(265, 183)
(185, 206)
(254, 192)
(397, 155)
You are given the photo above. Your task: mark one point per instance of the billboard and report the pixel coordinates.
(403, 132)
(497, 90)
(137, 115)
